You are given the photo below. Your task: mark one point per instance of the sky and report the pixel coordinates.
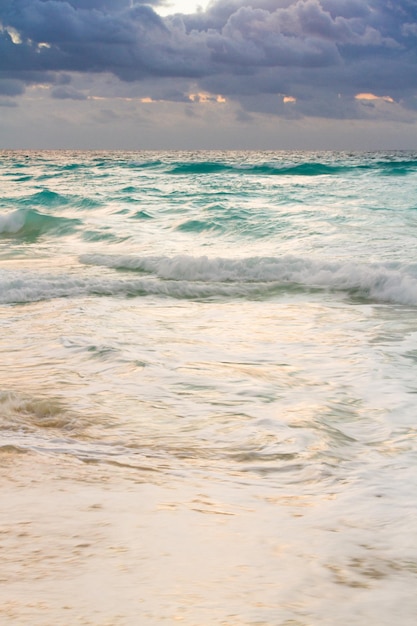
(181, 6)
(215, 74)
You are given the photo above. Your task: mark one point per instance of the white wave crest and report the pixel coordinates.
(12, 222)
(191, 277)
(28, 287)
(390, 282)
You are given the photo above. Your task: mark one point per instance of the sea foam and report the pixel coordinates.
(203, 277)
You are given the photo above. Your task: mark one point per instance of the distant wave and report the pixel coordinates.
(307, 164)
(30, 223)
(390, 167)
(200, 167)
(47, 198)
(397, 167)
(264, 169)
(186, 277)
(73, 167)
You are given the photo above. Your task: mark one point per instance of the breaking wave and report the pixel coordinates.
(30, 223)
(187, 277)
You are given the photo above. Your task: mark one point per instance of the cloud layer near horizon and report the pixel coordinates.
(294, 58)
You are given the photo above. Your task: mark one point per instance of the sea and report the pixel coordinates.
(233, 335)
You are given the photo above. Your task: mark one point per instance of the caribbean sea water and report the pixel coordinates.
(233, 335)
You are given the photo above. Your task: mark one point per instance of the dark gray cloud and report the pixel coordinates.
(320, 52)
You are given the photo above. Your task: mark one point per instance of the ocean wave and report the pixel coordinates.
(23, 179)
(24, 413)
(25, 287)
(141, 215)
(71, 167)
(29, 223)
(199, 226)
(382, 282)
(200, 167)
(145, 164)
(396, 166)
(47, 198)
(257, 169)
(186, 277)
(219, 218)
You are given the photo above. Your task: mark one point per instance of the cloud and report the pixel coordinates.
(67, 93)
(320, 53)
(8, 103)
(11, 87)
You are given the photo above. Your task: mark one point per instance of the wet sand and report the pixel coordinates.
(99, 545)
(84, 544)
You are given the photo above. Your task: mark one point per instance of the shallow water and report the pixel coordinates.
(221, 349)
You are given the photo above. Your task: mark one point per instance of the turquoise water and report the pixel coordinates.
(245, 320)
